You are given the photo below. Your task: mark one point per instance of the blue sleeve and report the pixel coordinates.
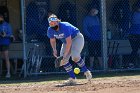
(85, 27)
(9, 30)
(50, 33)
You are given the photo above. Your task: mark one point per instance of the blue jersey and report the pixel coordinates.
(91, 27)
(135, 27)
(65, 30)
(136, 18)
(7, 29)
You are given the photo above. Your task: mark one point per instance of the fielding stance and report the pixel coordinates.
(73, 42)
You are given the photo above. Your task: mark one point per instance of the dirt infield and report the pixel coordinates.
(129, 84)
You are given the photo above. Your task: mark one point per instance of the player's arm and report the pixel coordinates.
(68, 46)
(53, 45)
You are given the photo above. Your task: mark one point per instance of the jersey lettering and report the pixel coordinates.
(59, 36)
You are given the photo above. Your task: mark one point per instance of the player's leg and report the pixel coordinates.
(135, 54)
(6, 57)
(0, 61)
(68, 67)
(77, 46)
(98, 51)
(134, 45)
(91, 54)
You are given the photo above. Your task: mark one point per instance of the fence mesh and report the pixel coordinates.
(122, 32)
(122, 28)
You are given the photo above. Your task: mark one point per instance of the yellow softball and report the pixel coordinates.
(76, 70)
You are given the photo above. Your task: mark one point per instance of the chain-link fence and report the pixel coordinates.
(122, 28)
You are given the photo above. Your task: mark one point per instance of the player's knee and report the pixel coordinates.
(76, 59)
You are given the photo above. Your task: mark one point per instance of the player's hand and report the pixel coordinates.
(58, 61)
(62, 61)
(55, 53)
(3, 34)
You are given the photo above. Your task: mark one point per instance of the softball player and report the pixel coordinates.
(5, 35)
(73, 42)
(92, 32)
(134, 36)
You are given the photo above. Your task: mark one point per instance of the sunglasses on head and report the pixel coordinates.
(52, 19)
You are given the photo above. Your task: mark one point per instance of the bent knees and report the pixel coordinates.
(75, 59)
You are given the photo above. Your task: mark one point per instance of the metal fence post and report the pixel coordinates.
(104, 33)
(23, 32)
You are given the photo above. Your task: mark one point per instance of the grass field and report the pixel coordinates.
(112, 82)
